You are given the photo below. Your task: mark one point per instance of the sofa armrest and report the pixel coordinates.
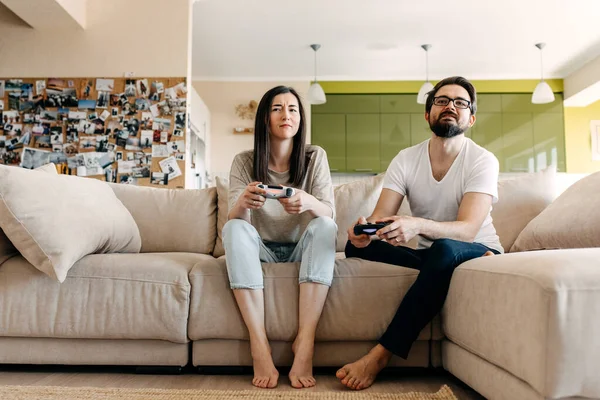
(535, 314)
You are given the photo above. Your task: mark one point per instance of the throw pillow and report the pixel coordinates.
(55, 220)
(352, 200)
(520, 200)
(222, 211)
(571, 221)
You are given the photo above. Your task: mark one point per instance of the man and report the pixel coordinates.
(450, 183)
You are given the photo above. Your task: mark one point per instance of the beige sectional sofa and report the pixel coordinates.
(523, 325)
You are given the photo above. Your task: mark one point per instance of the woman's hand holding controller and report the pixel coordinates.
(253, 197)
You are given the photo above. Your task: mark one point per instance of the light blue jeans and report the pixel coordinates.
(244, 251)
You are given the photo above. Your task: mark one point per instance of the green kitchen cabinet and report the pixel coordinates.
(395, 136)
(419, 129)
(401, 103)
(487, 132)
(348, 104)
(548, 141)
(329, 132)
(362, 143)
(489, 103)
(517, 137)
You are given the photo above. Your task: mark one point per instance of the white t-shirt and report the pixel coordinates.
(474, 170)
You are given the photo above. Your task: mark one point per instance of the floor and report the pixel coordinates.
(388, 381)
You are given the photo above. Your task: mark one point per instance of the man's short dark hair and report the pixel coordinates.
(454, 80)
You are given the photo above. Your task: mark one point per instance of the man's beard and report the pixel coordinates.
(446, 130)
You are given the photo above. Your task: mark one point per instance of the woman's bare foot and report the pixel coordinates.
(301, 375)
(488, 253)
(361, 374)
(265, 373)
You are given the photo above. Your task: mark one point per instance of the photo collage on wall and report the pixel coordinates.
(119, 130)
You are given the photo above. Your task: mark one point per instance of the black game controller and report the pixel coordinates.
(276, 191)
(369, 228)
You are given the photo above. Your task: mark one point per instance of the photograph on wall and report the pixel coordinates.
(142, 87)
(102, 100)
(33, 158)
(86, 104)
(86, 88)
(40, 86)
(159, 178)
(130, 89)
(105, 85)
(159, 150)
(169, 166)
(1, 88)
(13, 84)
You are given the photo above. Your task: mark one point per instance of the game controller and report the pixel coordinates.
(369, 228)
(276, 191)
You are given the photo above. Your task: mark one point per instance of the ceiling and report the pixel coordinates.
(380, 39)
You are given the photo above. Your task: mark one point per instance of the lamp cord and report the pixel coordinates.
(542, 64)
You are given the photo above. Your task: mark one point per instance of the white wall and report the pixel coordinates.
(221, 99)
(199, 139)
(147, 37)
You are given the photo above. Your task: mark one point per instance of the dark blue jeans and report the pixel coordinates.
(425, 298)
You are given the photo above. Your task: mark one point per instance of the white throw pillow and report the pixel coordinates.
(55, 220)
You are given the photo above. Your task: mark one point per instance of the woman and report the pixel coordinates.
(299, 228)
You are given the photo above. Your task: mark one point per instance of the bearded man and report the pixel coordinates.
(450, 183)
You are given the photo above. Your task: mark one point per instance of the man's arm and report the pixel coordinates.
(388, 205)
(473, 209)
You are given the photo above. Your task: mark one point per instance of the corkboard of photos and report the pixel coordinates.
(119, 130)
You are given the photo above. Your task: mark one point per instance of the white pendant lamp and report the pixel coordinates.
(316, 95)
(543, 93)
(427, 86)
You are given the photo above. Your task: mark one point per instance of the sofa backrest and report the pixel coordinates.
(172, 220)
(521, 198)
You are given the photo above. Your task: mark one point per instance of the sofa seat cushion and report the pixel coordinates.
(362, 301)
(533, 314)
(108, 296)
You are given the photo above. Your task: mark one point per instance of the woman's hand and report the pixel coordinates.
(298, 203)
(359, 241)
(252, 198)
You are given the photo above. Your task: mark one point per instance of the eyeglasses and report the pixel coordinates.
(443, 101)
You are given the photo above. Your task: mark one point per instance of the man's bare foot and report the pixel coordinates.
(488, 253)
(265, 373)
(361, 374)
(301, 375)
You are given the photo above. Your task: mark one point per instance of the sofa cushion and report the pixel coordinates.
(7, 249)
(55, 220)
(362, 301)
(533, 314)
(105, 296)
(353, 200)
(49, 168)
(222, 212)
(520, 200)
(358, 199)
(172, 220)
(571, 221)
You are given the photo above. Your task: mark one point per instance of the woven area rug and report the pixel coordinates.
(89, 393)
